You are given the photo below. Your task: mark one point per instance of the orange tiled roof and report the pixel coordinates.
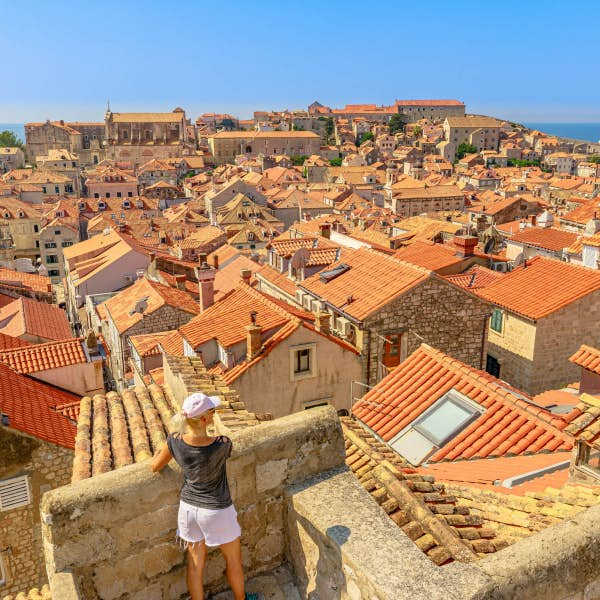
(41, 357)
(25, 316)
(510, 425)
(588, 358)
(475, 278)
(148, 344)
(429, 256)
(172, 343)
(541, 287)
(7, 342)
(585, 420)
(279, 280)
(226, 320)
(488, 471)
(31, 281)
(30, 407)
(547, 238)
(372, 280)
(157, 294)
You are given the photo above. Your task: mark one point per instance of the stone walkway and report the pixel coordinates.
(278, 584)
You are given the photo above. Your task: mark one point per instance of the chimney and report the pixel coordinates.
(216, 262)
(180, 281)
(206, 283)
(465, 245)
(323, 322)
(246, 274)
(325, 229)
(533, 220)
(253, 337)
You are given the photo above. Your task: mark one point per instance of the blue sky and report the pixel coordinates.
(528, 60)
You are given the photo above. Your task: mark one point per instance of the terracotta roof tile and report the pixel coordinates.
(31, 407)
(541, 287)
(372, 280)
(588, 358)
(548, 238)
(429, 256)
(27, 281)
(25, 316)
(475, 278)
(511, 424)
(8, 342)
(226, 320)
(42, 357)
(148, 344)
(119, 307)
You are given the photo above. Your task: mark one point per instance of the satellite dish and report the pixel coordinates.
(489, 246)
(140, 306)
(519, 259)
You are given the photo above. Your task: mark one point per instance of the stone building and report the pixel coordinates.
(409, 202)
(11, 158)
(36, 446)
(226, 145)
(140, 137)
(386, 308)
(145, 307)
(481, 132)
(544, 310)
(84, 139)
(434, 110)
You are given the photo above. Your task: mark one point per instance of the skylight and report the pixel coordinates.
(330, 274)
(434, 428)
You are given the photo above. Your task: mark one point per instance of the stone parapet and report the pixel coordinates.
(116, 532)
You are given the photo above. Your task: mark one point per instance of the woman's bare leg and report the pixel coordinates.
(195, 569)
(232, 551)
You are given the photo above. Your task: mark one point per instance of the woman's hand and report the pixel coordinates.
(161, 459)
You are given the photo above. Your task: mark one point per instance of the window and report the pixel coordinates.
(53, 273)
(36, 228)
(496, 320)
(440, 423)
(50, 245)
(118, 194)
(57, 232)
(51, 259)
(14, 493)
(108, 194)
(129, 194)
(391, 350)
(96, 195)
(302, 362)
(56, 189)
(44, 189)
(492, 365)
(67, 244)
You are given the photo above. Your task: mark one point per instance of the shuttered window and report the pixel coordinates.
(14, 493)
(496, 320)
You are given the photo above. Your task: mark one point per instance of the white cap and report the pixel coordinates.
(198, 403)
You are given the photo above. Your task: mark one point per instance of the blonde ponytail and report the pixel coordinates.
(181, 424)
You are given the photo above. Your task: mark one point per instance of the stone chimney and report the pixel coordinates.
(465, 245)
(325, 230)
(216, 262)
(323, 322)
(253, 337)
(246, 275)
(180, 281)
(206, 282)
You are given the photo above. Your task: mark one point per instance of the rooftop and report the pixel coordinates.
(41, 357)
(25, 316)
(541, 286)
(548, 238)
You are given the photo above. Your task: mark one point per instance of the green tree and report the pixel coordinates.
(9, 140)
(297, 128)
(594, 159)
(396, 124)
(329, 130)
(464, 149)
(298, 159)
(417, 132)
(365, 137)
(227, 123)
(336, 162)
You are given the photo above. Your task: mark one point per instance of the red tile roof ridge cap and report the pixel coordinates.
(267, 300)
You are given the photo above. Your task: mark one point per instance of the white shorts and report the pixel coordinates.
(213, 526)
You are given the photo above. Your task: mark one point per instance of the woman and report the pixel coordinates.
(207, 516)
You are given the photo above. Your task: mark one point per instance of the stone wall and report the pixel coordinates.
(47, 466)
(116, 531)
(437, 313)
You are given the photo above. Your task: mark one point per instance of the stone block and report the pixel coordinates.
(270, 475)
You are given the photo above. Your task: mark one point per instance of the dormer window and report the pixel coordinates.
(21, 214)
(82, 206)
(126, 204)
(101, 205)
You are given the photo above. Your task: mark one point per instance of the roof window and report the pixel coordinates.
(330, 274)
(440, 423)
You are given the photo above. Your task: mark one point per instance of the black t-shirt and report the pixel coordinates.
(205, 477)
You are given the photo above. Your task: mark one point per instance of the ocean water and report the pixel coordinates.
(589, 132)
(17, 129)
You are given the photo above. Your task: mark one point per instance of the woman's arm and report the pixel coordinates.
(161, 459)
